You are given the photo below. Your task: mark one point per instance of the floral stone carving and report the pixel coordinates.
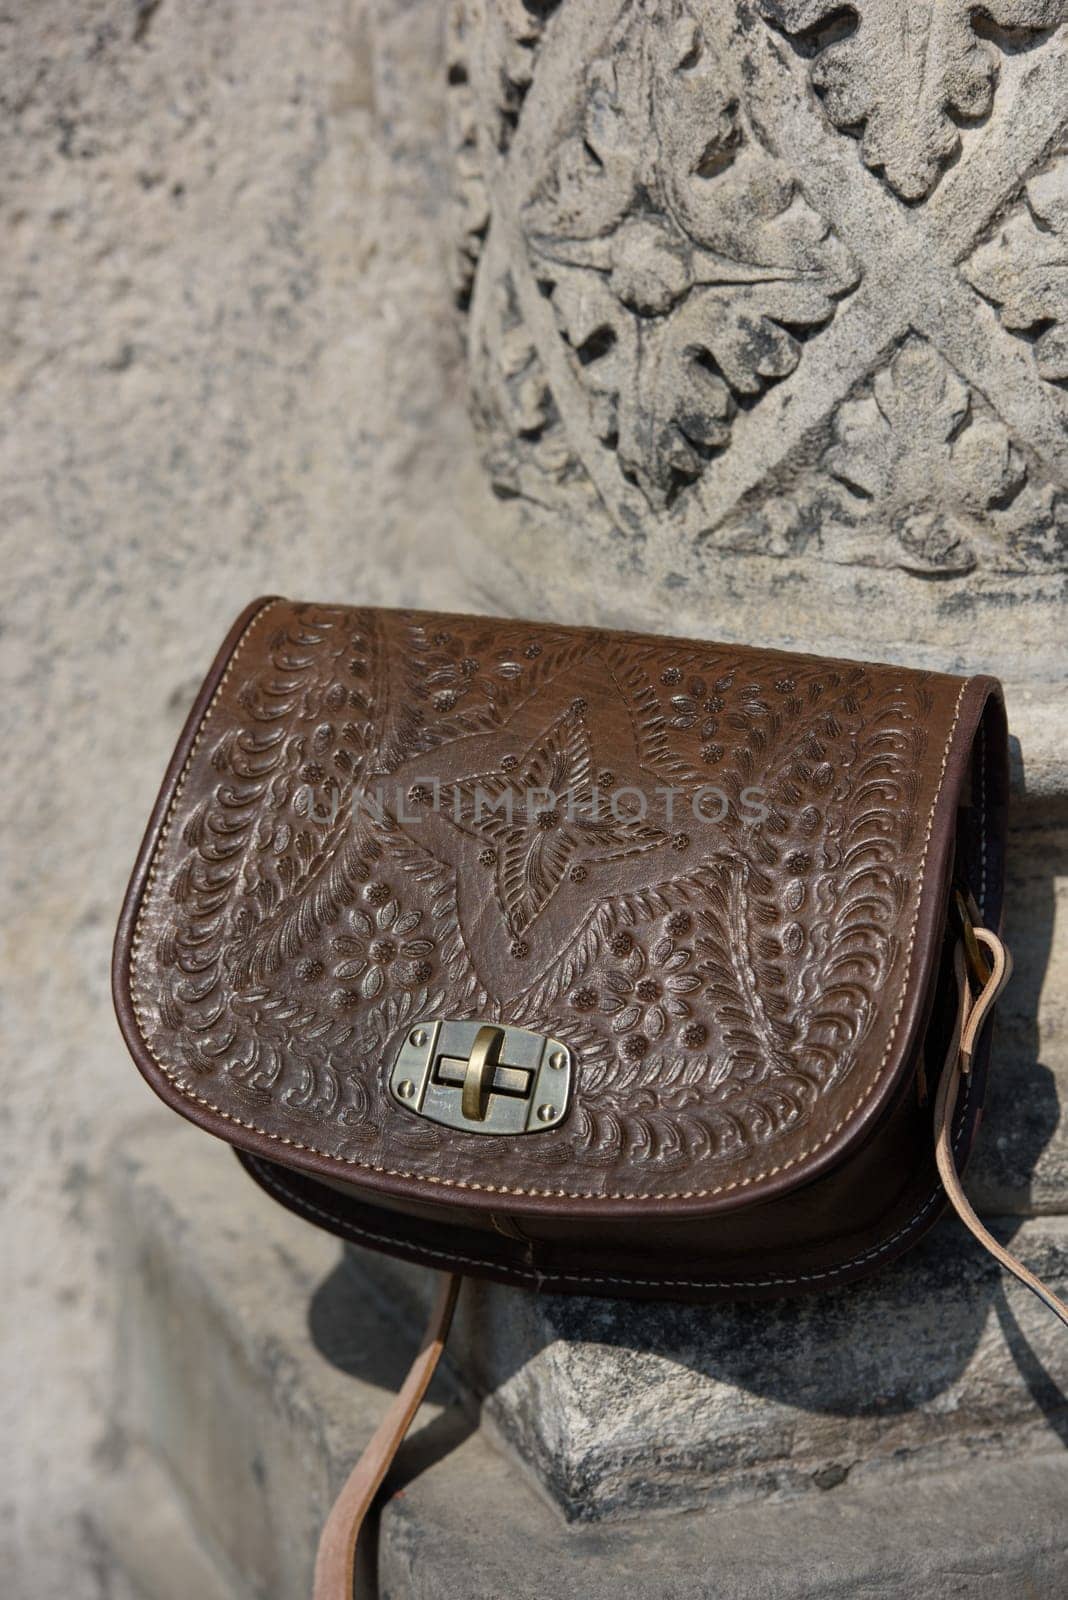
(1023, 269)
(909, 73)
(678, 255)
(692, 308)
(933, 491)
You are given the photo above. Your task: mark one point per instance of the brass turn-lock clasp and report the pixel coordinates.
(483, 1077)
(478, 1074)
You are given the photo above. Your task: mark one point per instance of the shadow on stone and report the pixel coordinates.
(339, 1314)
(342, 1310)
(619, 1406)
(1047, 1394)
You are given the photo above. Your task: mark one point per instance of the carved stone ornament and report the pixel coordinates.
(777, 276)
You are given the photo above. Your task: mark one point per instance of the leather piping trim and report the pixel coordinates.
(159, 831)
(341, 1227)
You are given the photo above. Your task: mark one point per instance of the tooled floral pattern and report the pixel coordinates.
(277, 853)
(752, 978)
(538, 844)
(644, 996)
(795, 942)
(381, 947)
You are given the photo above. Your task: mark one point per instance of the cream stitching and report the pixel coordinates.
(307, 1208)
(982, 813)
(490, 1188)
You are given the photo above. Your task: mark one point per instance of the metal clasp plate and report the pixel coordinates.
(482, 1077)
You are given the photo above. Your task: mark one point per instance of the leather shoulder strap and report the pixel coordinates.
(335, 1563)
(972, 1011)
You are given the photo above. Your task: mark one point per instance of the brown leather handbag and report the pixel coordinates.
(587, 961)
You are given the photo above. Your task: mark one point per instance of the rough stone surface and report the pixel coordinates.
(228, 368)
(620, 1408)
(988, 1534)
(254, 1367)
(146, 1541)
(251, 1372)
(770, 298)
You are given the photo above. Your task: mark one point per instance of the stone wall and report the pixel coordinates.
(229, 366)
(768, 299)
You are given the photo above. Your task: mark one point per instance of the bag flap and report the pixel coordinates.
(728, 909)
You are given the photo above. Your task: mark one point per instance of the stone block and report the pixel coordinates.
(618, 1408)
(255, 1364)
(146, 1540)
(990, 1532)
(251, 1371)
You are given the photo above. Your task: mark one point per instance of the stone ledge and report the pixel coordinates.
(251, 1371)
(256, 1364)
(990, 1532)
(620, 1407)
(150, 1541)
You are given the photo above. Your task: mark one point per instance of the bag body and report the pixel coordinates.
(589, 961)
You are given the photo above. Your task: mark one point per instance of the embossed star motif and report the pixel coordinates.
(529, 872)
(545, 818)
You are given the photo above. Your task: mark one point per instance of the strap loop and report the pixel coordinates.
(972, 1012)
